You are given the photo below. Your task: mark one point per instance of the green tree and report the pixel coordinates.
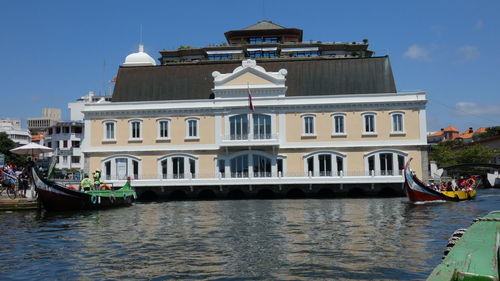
(475, 154)
(451, 153)
(443, 154)
(490, 132)
(6, 145)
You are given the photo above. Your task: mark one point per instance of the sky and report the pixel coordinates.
(52, 52)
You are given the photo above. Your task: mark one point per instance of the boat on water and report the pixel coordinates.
(417, 191)
(474, 253)
(55, 197)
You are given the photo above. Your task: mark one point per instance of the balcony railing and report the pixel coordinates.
(250, 138)
(259, 175)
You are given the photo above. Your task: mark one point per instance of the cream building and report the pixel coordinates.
(303, 139)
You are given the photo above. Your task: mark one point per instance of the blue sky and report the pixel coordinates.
(52, 52)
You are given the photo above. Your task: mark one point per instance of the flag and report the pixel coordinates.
(250, 104)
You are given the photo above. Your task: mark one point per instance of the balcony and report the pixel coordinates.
(250, 139)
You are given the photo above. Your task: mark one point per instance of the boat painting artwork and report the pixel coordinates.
(417, 191)
(55, 197)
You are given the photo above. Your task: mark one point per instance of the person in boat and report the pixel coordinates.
(86, 183)
(97, 179)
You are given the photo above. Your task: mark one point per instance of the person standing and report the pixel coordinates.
(97, 179)
(86, 183)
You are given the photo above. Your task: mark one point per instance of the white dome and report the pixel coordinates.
(139, 59)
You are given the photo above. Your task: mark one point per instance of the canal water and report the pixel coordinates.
(306, 239)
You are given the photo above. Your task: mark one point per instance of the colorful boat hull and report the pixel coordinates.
(417, 191)
(55, 197)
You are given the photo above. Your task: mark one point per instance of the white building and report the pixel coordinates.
(12, 127)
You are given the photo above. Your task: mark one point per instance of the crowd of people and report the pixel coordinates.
(462, 184)
(17, 176)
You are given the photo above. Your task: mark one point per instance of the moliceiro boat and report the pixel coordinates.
(417, 191)
(55, 197)
(472, 254)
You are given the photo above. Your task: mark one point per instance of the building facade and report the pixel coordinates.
(12, 127)
(252, 132)
(50, 116)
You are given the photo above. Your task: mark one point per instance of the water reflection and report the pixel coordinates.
(347, 239)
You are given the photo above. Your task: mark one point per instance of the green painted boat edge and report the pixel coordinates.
(124, 191)
(475, 256)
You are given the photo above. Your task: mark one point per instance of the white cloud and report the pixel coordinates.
(479, 24)
(469, 108)
(467, 53)
(417, 52)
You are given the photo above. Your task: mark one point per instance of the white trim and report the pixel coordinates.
(197, 135)
(130, 166)
(104, 130)
(344, 121)
(284, 50)
(186, 173)
(334, 168)
(403, 127)
(423, 125)
(158, 129)
(131, 133)
(376, 154)
(337, 102)
(222, 52)
(374, 131)
(303, 121)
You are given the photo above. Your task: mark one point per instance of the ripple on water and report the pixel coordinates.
(347, 239)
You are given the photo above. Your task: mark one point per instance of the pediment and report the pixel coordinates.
(248, 78)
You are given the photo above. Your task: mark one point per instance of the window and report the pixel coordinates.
(397, 122)
(109, 130)
(369, 123)
(221, 165)
(75, 144)
(339, 124)
(239, 166)
(385, 163)
(120, 167)
(75, 159)
(220, 56)
(177, 166)
(135, 129)
(238, 127)
(163, 128)
(261, 166)
(65, 144)
(192, 128)
(308, 124)
(325, 164)
(261, 126)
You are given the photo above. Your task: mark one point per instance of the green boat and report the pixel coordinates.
(475, 255)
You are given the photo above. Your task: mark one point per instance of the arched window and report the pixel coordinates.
(178, 166)
(251, 164)
(385, 162)
(397, 124)
(119, 167)
(325, 164)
